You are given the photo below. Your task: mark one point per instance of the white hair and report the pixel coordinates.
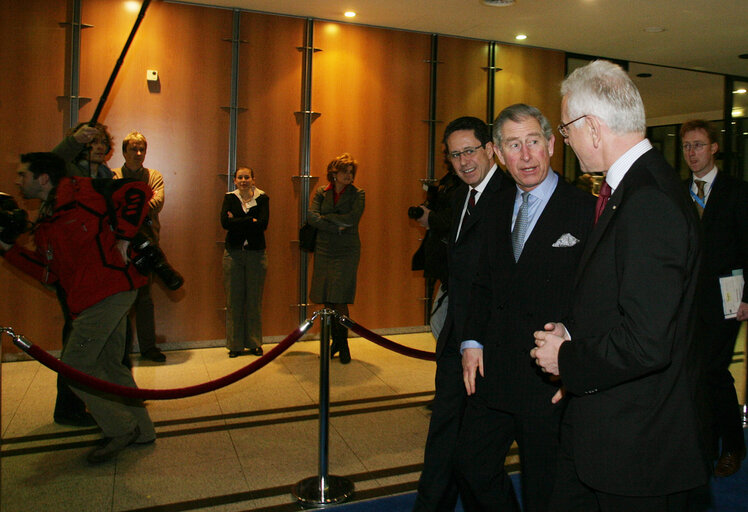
(603, 89)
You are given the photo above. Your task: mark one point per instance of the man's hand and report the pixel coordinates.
(472, 361)
(122, 246)
(742, 313)
(423, 220)
(547, 344)
(85, 134)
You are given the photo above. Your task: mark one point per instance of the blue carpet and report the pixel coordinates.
(724, 495)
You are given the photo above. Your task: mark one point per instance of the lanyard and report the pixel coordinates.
(701, 202)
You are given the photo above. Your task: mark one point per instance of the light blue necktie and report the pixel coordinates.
(520, 226)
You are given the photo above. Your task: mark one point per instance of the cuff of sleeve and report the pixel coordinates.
(469, 344)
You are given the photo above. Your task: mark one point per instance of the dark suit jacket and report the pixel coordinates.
(512, 299)
(725, 223)
(632, 416)
(463, 255)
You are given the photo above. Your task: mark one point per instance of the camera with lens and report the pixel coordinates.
(13, 220)
(432, 197)
(415, 212)
(148, 257)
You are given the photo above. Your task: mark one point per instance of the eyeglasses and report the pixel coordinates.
(562, 127)
(696, 146)
(455, 155)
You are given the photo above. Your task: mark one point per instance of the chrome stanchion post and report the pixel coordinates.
(323, 489)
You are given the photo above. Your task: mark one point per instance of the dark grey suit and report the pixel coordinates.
(511, 300)
(725, 230)
(631, 427)
(437, 486)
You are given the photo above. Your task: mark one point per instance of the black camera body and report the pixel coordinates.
(148, 257)
(415, 212)
(432, 197)
(13, 220)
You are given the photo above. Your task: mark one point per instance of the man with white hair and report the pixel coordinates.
(630, 438)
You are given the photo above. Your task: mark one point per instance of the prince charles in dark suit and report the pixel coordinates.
(524, 276)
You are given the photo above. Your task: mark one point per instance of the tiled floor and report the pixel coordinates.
(239, 448)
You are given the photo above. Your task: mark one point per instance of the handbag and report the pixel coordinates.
(307, 237)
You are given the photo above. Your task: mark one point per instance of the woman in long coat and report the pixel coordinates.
(335, 211)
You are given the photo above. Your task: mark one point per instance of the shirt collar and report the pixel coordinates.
(708, 177)
(483, 184)
(545, 190)
(621, 166)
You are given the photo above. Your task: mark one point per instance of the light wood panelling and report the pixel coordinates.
(268, 141)
(32, 52)
(532, 76)
(371, 87)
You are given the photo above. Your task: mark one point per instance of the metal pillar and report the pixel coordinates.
(323, 489)
(306, 116)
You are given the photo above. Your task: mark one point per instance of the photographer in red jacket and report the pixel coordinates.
(82, 239)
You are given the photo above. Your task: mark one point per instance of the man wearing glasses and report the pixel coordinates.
(722, 204)
(630, 437)
(468, 144)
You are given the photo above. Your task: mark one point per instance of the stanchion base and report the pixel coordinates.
(309, 493)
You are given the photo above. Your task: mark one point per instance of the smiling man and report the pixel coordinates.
(469, 147)
(533, 242)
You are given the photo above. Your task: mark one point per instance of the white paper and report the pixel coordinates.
(732, 293)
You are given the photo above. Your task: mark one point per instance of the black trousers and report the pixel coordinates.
(437, 487)
(485, 439)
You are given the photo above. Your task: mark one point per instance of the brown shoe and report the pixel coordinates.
(112, 447)
(729, 463)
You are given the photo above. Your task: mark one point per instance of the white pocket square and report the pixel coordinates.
(566, 240)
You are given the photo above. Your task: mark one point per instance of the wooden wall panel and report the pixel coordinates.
(268, 141)
(32, 52)
(371, 87)
(462, 86)
(532, 76)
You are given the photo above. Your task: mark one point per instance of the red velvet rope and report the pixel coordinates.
(160, 394)
(384, 342)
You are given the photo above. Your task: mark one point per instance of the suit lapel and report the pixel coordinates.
(609, 213)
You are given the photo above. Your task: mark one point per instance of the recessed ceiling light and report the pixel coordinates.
(520, 37)
(739, 91)
(655, 30)
(498, 3)
(349, 14)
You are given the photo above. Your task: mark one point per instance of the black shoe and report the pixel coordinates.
(113, 447)
(236, 353)
(257, 351)
(153, 354)
(334, 349)
(345, 354)
(83, 419)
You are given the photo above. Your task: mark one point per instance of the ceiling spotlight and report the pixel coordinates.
(498, 3)
(655, 30)
(349, 14)
(739, 91)
(520, 37)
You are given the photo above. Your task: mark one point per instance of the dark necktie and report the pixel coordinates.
(700, 194)
(520, 226)
(471, 201)
(602, 199)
